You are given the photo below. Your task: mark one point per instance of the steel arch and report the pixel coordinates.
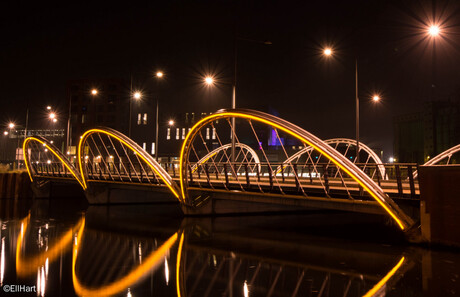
(447, 153)
(148, 159)
(227, 146)
(403, 221)
(337, 141)
(55, 151)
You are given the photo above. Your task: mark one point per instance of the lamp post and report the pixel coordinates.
(137, 96)
(159, 75)
(328, 52)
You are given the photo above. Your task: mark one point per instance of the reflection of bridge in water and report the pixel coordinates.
(194, 261)
(218, 177)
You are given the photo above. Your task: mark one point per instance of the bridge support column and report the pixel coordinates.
(440, 204)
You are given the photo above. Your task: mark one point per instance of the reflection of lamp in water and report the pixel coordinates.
(2, 262)
(166, 271)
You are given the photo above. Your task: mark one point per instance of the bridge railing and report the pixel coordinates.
(307, 179)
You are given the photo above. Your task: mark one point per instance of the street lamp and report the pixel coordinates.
(159, 75)
(137, 95)
(376, 98)
(328, 52)
(434, 30)
(210, 82)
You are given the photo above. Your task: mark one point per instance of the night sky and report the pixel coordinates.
(44, 46)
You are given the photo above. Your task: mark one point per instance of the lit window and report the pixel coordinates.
(139, 118)
(168, 134)
(144, 146)
(207, 133)
(177, 134)
(213, 133)
(183, 133)
(189, 129)
(153, 148)
(144, 119)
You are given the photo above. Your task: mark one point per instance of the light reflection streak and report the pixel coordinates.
(166, 271)
(246, 289)
(375, 291)
(121, 284)
(27, 266)
(2, 262)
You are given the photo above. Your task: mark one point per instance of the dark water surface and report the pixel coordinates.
(65, 248)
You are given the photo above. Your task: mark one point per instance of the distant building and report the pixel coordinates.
(422, 135)
(107, 106)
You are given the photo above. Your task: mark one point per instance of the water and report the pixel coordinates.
(65, 248)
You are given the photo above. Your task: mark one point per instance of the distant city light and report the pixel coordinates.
(48, 107)
(434, 30)
(52, 115)
(327, 52)
(54, 120)
(376, 97)
(159, 74)
(11, 125)
(171, 122)
(391, 159)
(5, 132)
(94, 92)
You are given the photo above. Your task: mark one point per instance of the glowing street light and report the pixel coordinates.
(171, 123)
(137, 95)
(11, 125)
(48, 107)
(434, 30)
(159, 76)
(376, 98)
(94, 92)
(209, 80)
(52, 115)
(327, 52)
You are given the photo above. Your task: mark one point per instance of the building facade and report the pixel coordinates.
(422, 135)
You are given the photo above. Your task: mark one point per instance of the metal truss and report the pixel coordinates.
(372, 158)
(41, 155)
(104, 154)
(324, 170)
(244, 155)
(442, 156)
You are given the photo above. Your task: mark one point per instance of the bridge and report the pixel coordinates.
(236, 172)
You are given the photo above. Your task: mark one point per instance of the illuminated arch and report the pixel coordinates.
(148, 159)
(131, 278)
(350, 142)
(224, 148)
(25, 267)
(403, 221)
(56, 152)
(446, 154)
